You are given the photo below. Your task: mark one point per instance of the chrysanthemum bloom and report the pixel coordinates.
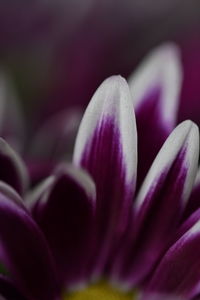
(85, 233)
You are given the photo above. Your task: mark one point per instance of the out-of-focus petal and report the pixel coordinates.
(106, 146)
(53, 143)
(55, 139)
(24, 251)
(160, 296)
(160, 202)
(34, 195)
(65, 213)
(8, 291)
(11, 121)
(12, 168)
(190, 93)
(155, 88)
(178, 271)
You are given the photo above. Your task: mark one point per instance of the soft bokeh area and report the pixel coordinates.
(58, 52)
(99, 202)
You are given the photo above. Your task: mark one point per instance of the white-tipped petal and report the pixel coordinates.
(106, 146)
(111, 100)
(160, 69)
(65, 213)
(155, 88)
(12, 169)
(160, 203)
(184, 137)
(11, 121)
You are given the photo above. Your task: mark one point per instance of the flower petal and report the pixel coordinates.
(178, 271)
(155, 88)
(65, 213)
(106, 146)
(11, 121)
(194, 200)
(58, 135)
(161, 200)
(160, 296)
(12, 168)
(24, 251)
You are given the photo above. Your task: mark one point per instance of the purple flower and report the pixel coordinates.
(91, 222)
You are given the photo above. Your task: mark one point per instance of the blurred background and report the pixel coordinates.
(57, 52)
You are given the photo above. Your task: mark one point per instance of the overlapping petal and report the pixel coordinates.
(160, 202)
(11, 120)
(194, 200)
(179, 270)
(155, 88)
(106, 147)
(65, 212)
(58, 135)
(12, 168)
(24, 251)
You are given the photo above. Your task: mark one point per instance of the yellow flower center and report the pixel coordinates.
(100, 291)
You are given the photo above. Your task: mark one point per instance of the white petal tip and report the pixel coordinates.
(160, 69)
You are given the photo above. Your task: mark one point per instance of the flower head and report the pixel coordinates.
(90, 230)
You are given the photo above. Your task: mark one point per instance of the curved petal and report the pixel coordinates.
(58, 136)
(11, 121)
(155, 88)
(34, 195)
(194, 200)
(107, 147)
(12, 168)
(190, 93)
(160, 202)
(191, 221)
(65, 213)
(24, 251)
(178, 271)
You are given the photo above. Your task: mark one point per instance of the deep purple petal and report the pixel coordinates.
(24, 251)
(179, 270)
(65, 213)
(160, 202)
(155, 88)
(185, 226)
(194, 200)
(12, 168)
(8, 291)
(190, 93)
(106, 146)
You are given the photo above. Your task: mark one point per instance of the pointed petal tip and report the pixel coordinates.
(111, 102)
(14, 166)
(168, 49)
(189, 132)
(115, 79)
(185, 137)
(162, 70)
